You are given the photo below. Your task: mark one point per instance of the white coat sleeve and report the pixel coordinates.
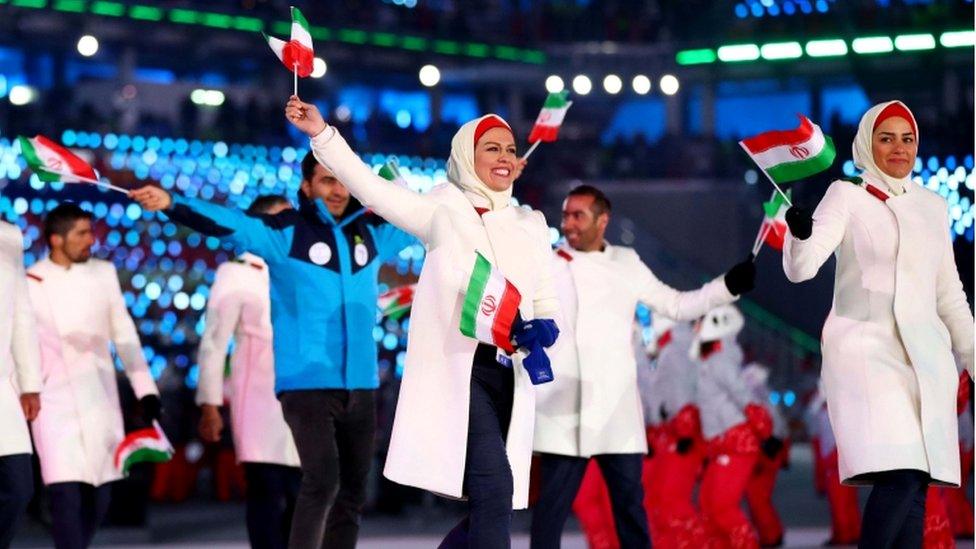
(223, 313)
(675, 304)
(24, 344)
(952, 306)
(405, 208)
(803, 258)
(545, 303)
(125, 338)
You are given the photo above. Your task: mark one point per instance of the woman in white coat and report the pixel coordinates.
(464, 422)
(899, 313)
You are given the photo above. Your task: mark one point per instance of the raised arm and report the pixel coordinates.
(261, 235)
(407, 209)
(669, 302)
(804, 254)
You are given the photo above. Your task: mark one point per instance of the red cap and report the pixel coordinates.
(893, 110)
(488, 123)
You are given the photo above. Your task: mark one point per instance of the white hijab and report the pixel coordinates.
(460, 169)
(862, 148)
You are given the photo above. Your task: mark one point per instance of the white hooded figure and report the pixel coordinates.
(722, 393)
(453, 220)
(678, 384)
(898, 314)
(756, 378)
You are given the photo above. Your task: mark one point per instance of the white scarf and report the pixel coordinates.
(863, 149)
(460, 170)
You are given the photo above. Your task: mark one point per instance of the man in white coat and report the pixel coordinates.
(593, 408)
(80, 312)
(20, 383)
(240, 306)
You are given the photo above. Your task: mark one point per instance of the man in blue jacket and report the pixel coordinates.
(323, 261)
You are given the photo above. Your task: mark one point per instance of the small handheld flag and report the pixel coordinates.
(296, 54)
(396, 302)
(53, 162)
(391, 172)
(148, 445)
(490, 306)
(773, 228)
(789, 155)
(549, 121)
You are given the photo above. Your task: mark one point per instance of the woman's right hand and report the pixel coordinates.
(304, 116)
(211, 424)
(152, 198)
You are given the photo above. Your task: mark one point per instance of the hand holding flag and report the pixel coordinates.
(296, 54)
(549, 121)
(53, 162)
(772, 231)
(148, 445)
(789, 155)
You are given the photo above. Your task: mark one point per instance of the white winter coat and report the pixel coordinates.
(20, 363)
(429, 439)
(80, 312)
(593, 406)
(898, 313)
(240, 306)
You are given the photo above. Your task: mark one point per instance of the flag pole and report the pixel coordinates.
(532, 148)
(760, 238)
(295, 80)
(763, 170)
(95, 182)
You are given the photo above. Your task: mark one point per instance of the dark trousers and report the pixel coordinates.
(561, 479)
(272, 490)
(488, 480)
(333, 431)
(77, 508)
(16, 489)
(894, 516)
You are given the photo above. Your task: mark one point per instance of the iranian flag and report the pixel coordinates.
(490, 306)
(789, 155)
(148, 445)
(296, 53)
(52, 162)
(550, 118)
(773, 229)
(396, 302)
(391, 172)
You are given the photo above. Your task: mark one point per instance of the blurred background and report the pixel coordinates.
(186, 95)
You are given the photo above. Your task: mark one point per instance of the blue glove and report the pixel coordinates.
(540, 330)
(537, 364)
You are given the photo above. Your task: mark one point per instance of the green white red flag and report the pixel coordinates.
(550, 118)
(396, 302)
(148, 445)
(490, 306)
(790, 155)
(53, 162)
(773, 228)
(297, 53)
(391, 172)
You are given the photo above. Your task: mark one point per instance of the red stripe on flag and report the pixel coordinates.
(546, 134)
(294, 52)
(775, 236)
(501, 328)
(75, 164)
(768, 140)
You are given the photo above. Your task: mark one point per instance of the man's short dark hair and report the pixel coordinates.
(308, 166)
(62, 218)
(601, 204)
(264, 203)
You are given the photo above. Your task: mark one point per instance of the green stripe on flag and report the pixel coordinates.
(297, 17)
(145, 455)
(792, 171)
(472, 298)
(30, 155)
(556, 100)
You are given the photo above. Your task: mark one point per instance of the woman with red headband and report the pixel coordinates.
(899, 313)
(465, 414)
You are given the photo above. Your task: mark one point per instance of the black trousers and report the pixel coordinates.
(894, 515)
(334, 432)
(488, 480)
(272, 490)
(561, 479)
(16, 489)
(77, 509)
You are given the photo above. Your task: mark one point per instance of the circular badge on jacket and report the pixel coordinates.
(361, 254)
(320, 253)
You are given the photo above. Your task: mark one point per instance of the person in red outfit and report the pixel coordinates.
(773, 456)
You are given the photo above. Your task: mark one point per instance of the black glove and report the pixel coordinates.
(684, 445)
(800, 222)
(771, 446)
(151, 406)
(741, 278)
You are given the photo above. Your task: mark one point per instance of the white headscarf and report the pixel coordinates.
(862, 148)
(460, 169)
